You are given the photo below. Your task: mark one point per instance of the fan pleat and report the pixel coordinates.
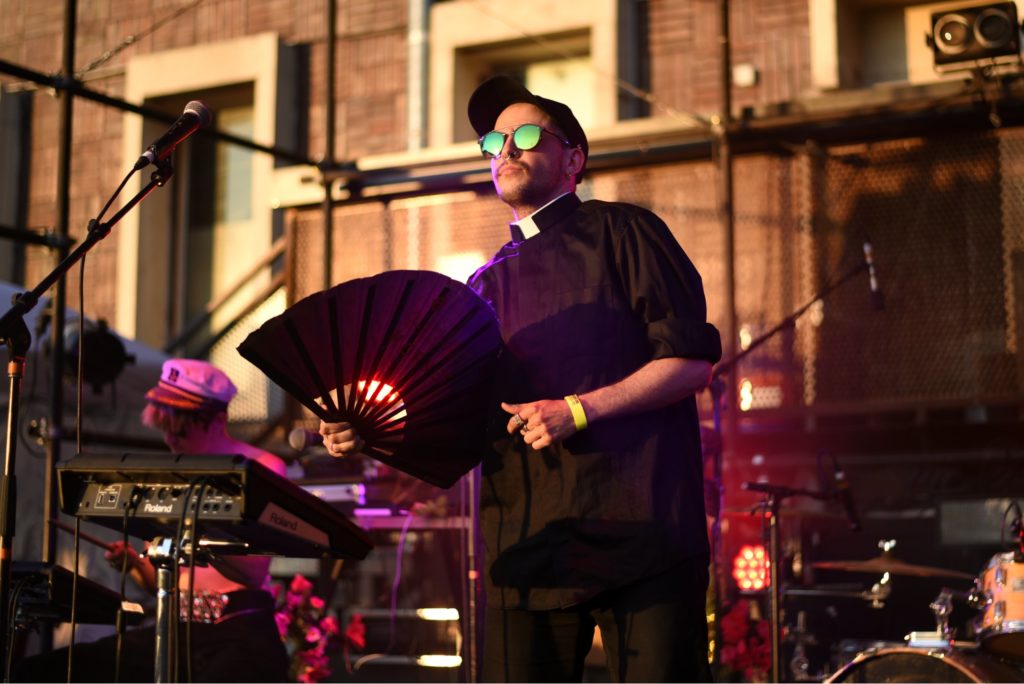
(307, 363)
(405, 356)
(334, 327)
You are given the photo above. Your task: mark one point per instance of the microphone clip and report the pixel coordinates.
(163, 171)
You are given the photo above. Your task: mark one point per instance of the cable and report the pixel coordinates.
(132, 39)
(204, 483)
(74, 599)
(79, 381)
(99, 217)
(13, 622)
(178, 538)
(132, 507)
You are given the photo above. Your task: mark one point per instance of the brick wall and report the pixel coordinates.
(770, 34)
(371, 59)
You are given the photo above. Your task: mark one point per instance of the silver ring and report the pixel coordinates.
(518, 420)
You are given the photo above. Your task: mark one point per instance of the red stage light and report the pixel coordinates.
(750, 568)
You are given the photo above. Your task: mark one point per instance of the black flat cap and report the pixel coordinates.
(495, 94)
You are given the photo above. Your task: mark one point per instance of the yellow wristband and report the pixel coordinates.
(578, 415)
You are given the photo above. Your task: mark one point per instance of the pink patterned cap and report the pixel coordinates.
(192, 385)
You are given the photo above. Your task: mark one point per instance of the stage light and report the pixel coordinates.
(439, 660)
(438, 614)
(746, 394)
(973, 37)
(105, 354)
(750, 568)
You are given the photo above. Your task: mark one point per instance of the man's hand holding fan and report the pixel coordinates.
(396, 366)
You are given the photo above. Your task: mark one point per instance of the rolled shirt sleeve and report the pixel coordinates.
(665, 290)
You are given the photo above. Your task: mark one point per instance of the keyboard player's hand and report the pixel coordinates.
(116, 552)
(139, 567)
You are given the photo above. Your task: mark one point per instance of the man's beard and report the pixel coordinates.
(524, 189)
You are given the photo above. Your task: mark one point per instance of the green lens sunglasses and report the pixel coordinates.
(524, 137)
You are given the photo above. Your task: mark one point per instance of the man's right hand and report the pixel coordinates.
(341, 439)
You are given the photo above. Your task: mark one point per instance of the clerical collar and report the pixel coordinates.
(545, 217)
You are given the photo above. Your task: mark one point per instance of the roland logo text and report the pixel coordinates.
(282, 521)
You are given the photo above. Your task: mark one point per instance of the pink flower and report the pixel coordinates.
(355, 632)
(300, 585)
(734, 623)
(329, 625)
(293, 601)
(762, 628)
(283, 621)
(306, 631)
(313, 659)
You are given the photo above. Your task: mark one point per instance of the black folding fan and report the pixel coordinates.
(405, 356)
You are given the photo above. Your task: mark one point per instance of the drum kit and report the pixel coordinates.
(990, 649)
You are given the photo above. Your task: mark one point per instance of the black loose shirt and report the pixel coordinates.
(603, 289)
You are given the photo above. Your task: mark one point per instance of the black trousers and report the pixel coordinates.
(654, 630)
(243, 648)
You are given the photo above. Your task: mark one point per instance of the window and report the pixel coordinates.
(188, 242)
(179, 249)
(557, 50)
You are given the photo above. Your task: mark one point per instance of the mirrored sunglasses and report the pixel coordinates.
(524, 137)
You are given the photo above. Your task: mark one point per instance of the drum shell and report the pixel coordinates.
(926, 665)
(1000, 627)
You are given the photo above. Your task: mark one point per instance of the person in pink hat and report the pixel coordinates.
(234, 636)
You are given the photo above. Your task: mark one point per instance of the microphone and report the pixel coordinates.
(877, 298)
(844, 494)
(196, 115)
(301, 439)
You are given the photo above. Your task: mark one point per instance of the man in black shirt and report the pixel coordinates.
(591, 500)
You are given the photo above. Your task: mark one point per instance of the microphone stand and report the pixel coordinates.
(773, 496)
(15, 335)
(718, 392)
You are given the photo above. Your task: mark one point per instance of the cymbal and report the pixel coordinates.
(788, 514)
(887, 563)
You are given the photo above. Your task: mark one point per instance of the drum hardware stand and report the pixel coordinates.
(879, 592)
(799, 665)
(773, 497)
(942, 607)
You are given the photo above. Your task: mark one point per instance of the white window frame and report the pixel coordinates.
(187, 70)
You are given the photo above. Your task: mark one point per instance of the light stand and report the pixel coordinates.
(15, 335)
